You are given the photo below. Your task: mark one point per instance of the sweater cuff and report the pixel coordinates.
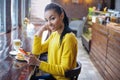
(37, 37)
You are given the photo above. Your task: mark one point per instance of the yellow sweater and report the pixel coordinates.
(60, 57)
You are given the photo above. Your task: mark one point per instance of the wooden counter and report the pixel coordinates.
(105, 50)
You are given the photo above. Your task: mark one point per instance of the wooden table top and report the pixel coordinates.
(10, 68)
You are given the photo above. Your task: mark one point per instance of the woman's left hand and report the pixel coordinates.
(33, 60)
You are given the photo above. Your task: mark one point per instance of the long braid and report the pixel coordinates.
(66, 28)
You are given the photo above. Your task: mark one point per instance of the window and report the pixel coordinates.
(14, 13)
(2, 26)
(2, 15)
(23, 2)
(14, 18)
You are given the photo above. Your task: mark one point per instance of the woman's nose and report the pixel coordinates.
(49, 23)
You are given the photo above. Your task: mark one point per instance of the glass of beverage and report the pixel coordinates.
(17, 43)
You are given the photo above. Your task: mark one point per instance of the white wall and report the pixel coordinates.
(37, 8)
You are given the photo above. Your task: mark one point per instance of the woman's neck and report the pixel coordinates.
(61, 29)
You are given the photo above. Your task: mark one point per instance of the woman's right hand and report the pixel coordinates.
(41, 29)
(32, 60)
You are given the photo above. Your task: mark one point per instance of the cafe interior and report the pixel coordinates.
(95, 23)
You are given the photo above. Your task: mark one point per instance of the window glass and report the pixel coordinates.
(23, 10)
(14, 13)
(2, 26)
(2, 15)
(14, 18)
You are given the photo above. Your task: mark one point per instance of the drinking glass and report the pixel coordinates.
(17, 43)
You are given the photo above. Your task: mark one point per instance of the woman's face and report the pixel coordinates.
(54, 20)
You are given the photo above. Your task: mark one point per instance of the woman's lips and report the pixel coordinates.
(52, 27)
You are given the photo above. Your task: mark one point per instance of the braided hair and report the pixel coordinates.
(58, 9)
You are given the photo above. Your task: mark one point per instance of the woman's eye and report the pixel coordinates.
(53, 18)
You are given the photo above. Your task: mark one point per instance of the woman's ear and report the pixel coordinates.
(62, 16)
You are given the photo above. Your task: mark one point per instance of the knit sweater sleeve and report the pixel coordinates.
(38, 47)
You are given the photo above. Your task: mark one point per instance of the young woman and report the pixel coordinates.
(61, 45)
